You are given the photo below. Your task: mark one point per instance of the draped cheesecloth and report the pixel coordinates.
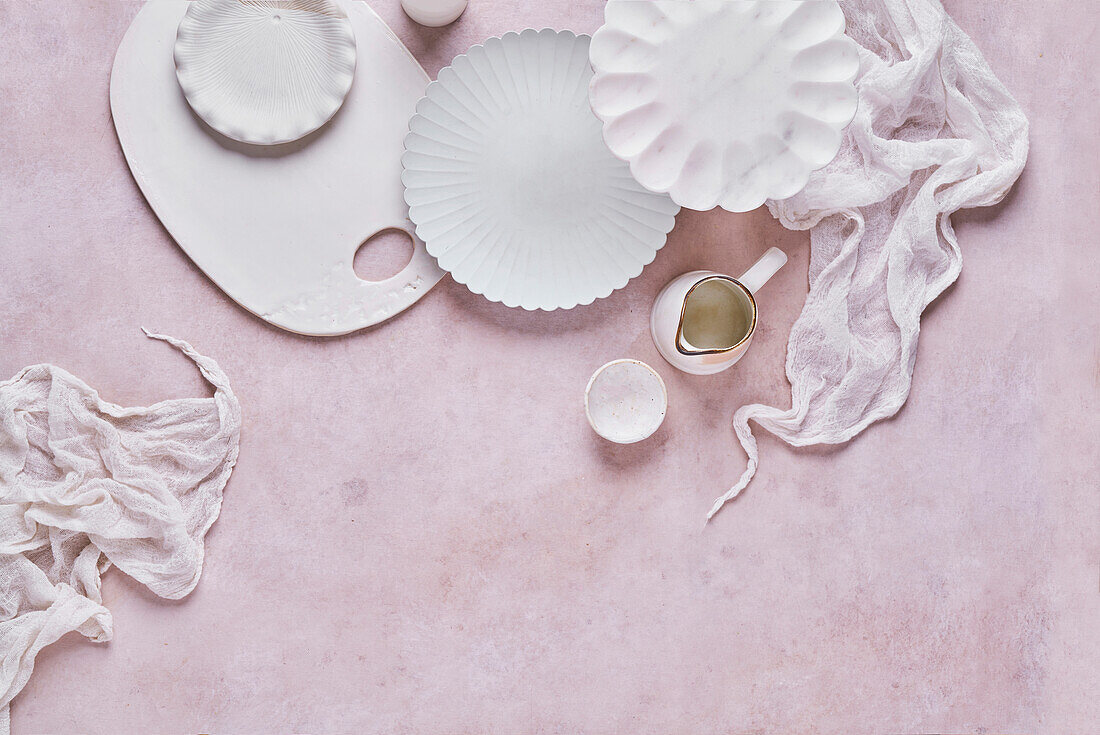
(85, 484)
(935, 132)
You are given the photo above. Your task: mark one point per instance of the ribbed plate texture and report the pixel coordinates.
(265, 71)
(511, 186)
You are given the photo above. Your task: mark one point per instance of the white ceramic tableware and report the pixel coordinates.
(277, 227)
(724, 102)
(703, 322)
(510, 184)
(265, 71)
(625, 401)
(433, 13)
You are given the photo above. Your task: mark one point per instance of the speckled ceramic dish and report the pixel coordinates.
(625, 401)
(724, 102)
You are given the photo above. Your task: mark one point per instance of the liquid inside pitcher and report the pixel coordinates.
(703, 321)
(719, 314)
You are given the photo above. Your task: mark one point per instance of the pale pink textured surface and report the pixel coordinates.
(424, 535)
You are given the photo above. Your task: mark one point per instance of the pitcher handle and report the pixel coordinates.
(768, 265)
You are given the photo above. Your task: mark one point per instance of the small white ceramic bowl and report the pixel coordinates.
(265, 72)
(625, 401)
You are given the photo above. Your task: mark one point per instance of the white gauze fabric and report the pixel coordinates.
(85, 484)
(935, 132)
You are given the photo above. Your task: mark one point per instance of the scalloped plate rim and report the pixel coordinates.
(269, 136)
(634, 160)
(526, 306)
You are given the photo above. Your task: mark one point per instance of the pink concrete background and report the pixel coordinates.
(423, 535)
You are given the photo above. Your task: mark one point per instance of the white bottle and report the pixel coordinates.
(434, 13)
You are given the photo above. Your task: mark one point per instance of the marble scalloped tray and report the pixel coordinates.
(277, 227)
(724, 102)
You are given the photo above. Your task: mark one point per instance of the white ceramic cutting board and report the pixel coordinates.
(277, 227)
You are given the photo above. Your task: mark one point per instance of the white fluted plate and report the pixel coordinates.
(265, 71)
(724, 102)
(510, 184)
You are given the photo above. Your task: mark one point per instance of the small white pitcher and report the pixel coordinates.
(703, 321)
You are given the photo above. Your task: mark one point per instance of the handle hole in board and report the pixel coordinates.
(383, 255)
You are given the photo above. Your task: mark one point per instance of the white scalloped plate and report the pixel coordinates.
(724, 102)
(265, 71)
(511, 186)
